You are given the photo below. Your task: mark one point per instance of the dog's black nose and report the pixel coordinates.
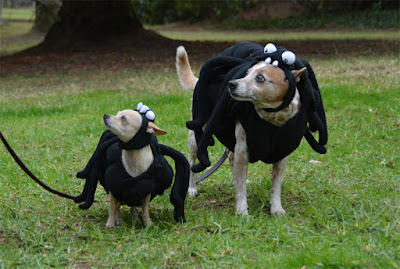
(232, 85)
(106, 116)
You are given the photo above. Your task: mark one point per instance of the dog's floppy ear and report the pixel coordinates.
(153, 129)
(298, 73)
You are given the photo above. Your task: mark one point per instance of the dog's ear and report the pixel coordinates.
(298, 73)
(153, 129)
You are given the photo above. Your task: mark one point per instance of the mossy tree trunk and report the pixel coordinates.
(91, 23)
(46, 14)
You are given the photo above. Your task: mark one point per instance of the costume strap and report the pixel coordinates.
(140, 140)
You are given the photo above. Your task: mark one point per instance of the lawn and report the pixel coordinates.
(343, 207)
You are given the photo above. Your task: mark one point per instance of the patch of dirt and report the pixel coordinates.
(160, 53)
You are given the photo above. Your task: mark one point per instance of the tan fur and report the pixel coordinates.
(263, 94)
(186, 76)
(125, 125)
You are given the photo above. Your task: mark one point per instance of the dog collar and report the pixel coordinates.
(140, 140)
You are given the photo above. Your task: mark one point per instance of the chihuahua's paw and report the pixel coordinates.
(192, 192)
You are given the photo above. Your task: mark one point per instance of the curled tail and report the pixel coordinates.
(185, 73)
(181, 182)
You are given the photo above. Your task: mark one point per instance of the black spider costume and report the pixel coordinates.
(106, 166)
(212, 104)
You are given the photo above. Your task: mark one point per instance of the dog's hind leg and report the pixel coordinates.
(134, 214)
(192, 161)
(146, 213)
(231, 158)
(113, 214)
(240, 163)
(278, 171)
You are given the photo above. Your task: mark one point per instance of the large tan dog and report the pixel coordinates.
(125, 125)
(264, 86)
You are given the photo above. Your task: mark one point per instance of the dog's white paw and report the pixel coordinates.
(147, 223)
(278, 211)
(111, 223)
(242, 209)
(192, 192)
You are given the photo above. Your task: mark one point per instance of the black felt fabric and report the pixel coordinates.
(106, 167)
(212, 104)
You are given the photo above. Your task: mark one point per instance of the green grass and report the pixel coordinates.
(25, 14)
(366, 19)
(342, 213)
(258, 35)
(16, 36)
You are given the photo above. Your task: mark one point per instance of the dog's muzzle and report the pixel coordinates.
(232, 85)
(105, 118)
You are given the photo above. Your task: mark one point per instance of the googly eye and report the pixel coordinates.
(144, 109)
(269, 48)
(275, 63)
(268, 60)
(150, 115)
(288, 57)
(139, 106)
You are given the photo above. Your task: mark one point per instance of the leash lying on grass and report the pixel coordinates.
(65, 195)
(29, 173)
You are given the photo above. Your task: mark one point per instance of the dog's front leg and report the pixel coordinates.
(240, 163)
(278, 170)
(146, 213)
(113, 213)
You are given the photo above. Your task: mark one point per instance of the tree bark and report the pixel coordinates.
(91, 24)
(46, 14)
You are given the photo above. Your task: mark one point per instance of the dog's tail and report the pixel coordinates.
(181, 182)
(185, 73)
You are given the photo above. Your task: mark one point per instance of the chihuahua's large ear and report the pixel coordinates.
(298, 73)
(153, 129)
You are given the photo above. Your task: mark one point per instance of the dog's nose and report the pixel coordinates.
(106, 116)
(232, 85)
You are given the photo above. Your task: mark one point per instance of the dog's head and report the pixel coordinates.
(264, 85)
(127, 123)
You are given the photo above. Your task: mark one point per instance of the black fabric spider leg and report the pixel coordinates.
(86, 171)
(181, 182)
(99, 162)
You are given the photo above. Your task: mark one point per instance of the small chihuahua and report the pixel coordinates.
(125, 125)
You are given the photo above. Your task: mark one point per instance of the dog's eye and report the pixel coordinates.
(123, 118)
(260, 78)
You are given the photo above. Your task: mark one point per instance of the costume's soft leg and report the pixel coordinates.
(192, 162)
(146, 211)
(278, 171)
(113, 213)
(241, 159)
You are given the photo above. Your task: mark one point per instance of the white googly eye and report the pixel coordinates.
(150, 115)
(144, 109)
(269, 48)
(268, 60)
(275, 63)
(139, 106)
(288, 57)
